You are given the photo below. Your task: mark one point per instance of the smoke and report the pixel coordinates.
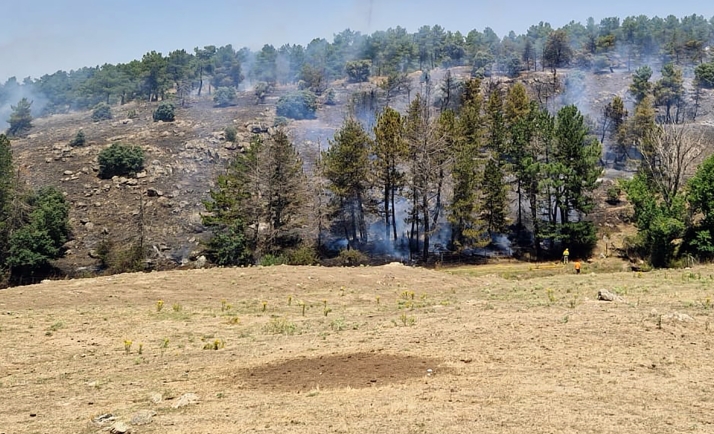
(12, 92)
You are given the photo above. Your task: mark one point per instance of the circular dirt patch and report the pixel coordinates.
(336, 371)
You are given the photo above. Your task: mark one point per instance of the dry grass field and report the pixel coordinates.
(502, 348)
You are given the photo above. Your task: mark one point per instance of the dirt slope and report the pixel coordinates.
(378, 349)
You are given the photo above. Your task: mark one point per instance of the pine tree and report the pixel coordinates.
(427, 141)
(285, 194)
(257, 207)
(519, 123)
(20, 119)
(669, 91)
(346, 167)
(571, 169)
(390, 150)
(464, 209)
(641, 85)
(493, 181)
(494, 197)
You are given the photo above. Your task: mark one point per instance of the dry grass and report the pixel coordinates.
(508, 352)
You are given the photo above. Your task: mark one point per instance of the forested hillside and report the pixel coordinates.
(395, 145)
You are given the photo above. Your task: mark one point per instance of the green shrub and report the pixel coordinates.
(120, 160)
(32, 246)
(330, 97)
(225, 96)
(116, 259)
(165, 112)
(305, 255)
(228, 246)
(79, 139)
(358, 70)
(352, 258)
(704, 74)
(580, 238)
(297, 105)
(132, 114)
(269, 260)
(262, 90)
(101, 112)
(230, 133)
(20, 119)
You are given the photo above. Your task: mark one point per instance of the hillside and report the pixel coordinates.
(506, 348)
(183, 159)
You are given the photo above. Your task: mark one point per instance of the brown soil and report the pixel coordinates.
(356, 371)
(513, 349)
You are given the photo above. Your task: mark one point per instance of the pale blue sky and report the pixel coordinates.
(42, 36)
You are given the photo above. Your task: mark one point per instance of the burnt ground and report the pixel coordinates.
(355, 371)
(184, 157)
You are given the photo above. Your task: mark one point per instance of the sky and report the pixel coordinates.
(39, 37)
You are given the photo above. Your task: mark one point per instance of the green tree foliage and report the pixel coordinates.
(464, 211)
(642, 123)
(571, 168)
(7, 187)
(312, 79)
(614, 126)
(429, 140)
(225, 96)
(390, 150)
(656, 191)
(227, 71)
(180, 70)
(494, 197)
(358, 70)
(165, 112)
(204, 63)
(669, 91)
(265, 67)
(704, 74)
(483, 61)
(518, 114)
(230, 133)
(658, 224)
(20, 119)
(156, 79)
(346, 168)
(107, 81)
(102, 112)
(78, 140)
(297, 105)
(41, 237)
(700, 196)
(638, 39)
(33, 225)
(641, 86)
(120, 160)
(493, 181)
(557, 52)
(256, 209)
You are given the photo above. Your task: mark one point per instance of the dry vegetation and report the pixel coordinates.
(512, 348)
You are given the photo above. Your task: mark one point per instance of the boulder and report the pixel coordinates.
(186, 399)
(605, 295)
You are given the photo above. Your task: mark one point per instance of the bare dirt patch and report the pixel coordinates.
(355, 371)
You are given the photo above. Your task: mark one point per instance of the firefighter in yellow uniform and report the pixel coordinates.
(566, 253)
